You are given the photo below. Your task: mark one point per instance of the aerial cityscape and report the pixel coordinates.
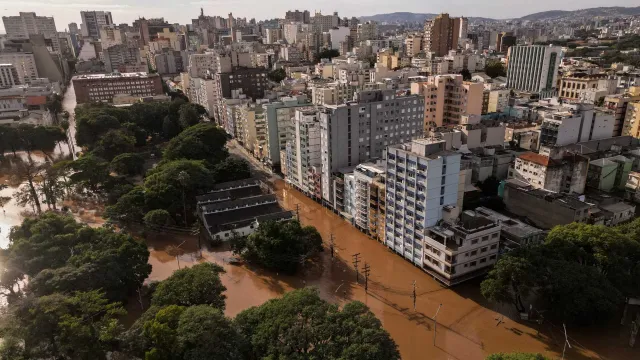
(450, 184)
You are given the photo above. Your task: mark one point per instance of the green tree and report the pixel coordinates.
(170, 127)
(81, 325)
(185, 333)
(129, 208)
(516, 356)
(495, 68)
(164, 190)
(138, 133)
(277, 75)
(51, 185)
(200, 142)
(158, 217)
(189, 115)
(114, 143)
(231, 169)
(54, 105)
(90, 129)
(282, 246)
(307, 327)
(327, 54)
(128, 164)
(510, 281)
(466, 74)
(609, 250)
(90, 173)
(197, 285)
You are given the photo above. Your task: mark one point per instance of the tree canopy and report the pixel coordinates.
(308, 327)
(127, 164)
(197, 285)
(282, 246)
(495, 68)
(582, 272)
(199, 142)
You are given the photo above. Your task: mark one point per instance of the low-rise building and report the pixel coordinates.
(609, 174)
(102, 87)
(513, 232)
(237, 208)
(545, 209)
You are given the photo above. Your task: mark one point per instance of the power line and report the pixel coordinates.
(356, 260)
(366, 271)
(332, 246)
(414, 296)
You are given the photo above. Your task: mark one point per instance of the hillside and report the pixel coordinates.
(583, 13)
(404, 17)
(409, 17)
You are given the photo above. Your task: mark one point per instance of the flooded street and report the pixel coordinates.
(467, 328)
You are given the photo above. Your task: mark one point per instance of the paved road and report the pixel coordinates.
(257, 168)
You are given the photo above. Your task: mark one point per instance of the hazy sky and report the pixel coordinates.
(66, 11)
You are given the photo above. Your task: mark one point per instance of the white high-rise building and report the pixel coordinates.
(423, 221)
(303, 152)
(533, 68)
(8, 75)
(27, 23)
(93, 21)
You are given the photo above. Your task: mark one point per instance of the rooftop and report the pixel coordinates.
(537, 159)
(139, 75)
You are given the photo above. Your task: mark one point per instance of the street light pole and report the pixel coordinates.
(435, 324)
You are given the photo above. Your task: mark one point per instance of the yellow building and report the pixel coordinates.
(632, 120)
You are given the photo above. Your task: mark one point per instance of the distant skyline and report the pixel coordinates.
(66, 12)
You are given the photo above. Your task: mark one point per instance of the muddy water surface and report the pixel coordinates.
(468, 327)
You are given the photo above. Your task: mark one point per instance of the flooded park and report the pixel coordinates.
(468, 327)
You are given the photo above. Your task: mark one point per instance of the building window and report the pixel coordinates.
(473, 263)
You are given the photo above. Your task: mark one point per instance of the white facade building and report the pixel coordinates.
(8, 75)
(24, 63)
(534, 68)
(338, 35)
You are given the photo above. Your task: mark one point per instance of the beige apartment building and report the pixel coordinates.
(413, 44)
(631, 125)
(447, 98)
(441, 34)
(575, 86)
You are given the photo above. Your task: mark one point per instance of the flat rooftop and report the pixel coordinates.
(134, 75)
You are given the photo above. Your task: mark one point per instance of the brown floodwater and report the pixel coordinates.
(468, 327)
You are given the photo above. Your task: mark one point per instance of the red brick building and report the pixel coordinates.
(102, 87)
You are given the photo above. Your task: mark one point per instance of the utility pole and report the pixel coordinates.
(414, 295)
(298, 212)
(435, 324)
(367, 270)
(566, 341)
(332, 246)
(355, 265)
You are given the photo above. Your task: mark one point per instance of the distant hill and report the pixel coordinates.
(583, 13)
(409, 17)
(404, 17)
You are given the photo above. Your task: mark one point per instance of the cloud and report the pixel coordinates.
(66, 5)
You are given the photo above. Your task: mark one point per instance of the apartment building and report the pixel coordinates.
(422, 187)
(572, 123)
(279, 128)
(93, 21)
(303, 164)
(447, 98)
(366, 199)
(251, 82)
(513, 232)
(27, 23)
(170, 61)
(322, 23)
(578, 86)
(413, 44)
(298, 16)
(8, 75)
(631, 126)
(199, 64)
(359, 130)
(111, 35)
(441, 34)
(558, 174)
(498, 100)
(252, 134)
(24, 63)
(367, 30)
(534, 68)
(119, 55)
(618, 104)
(102, 87)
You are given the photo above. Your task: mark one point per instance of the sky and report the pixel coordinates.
(66, 11)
